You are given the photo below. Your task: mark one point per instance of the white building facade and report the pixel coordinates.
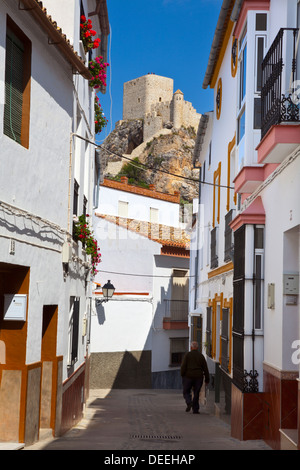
(47, 173)
(139, 336)
(249, 300)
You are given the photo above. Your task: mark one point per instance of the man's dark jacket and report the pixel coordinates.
(194, 365)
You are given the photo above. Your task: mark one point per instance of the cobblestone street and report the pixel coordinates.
(152, 420)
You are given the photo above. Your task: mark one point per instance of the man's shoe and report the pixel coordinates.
(196, 412)
(188, 408)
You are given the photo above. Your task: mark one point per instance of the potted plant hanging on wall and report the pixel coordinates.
(100, 119)
(87, 34)
(97, 67)
(83, 233)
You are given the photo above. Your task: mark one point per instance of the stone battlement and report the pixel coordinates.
(152, 99)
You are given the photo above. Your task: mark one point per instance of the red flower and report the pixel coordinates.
(83, 18)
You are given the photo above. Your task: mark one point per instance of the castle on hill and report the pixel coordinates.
(151, 98)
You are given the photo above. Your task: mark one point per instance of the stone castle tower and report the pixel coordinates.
(152, 99)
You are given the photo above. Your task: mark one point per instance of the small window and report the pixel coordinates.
(17, 85)
(154, 215)
(123, 209)
(261, 22)
(260, 47)
(241, 127)
(243, 65)
(257, 113)
(178, 348)
(259, 238)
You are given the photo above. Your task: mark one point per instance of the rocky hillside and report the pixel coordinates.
(170, 150)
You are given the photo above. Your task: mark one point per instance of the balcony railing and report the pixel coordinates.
(177, 310)
(279, 81)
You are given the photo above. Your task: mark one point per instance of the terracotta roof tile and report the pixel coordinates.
(163, 234)
(151, 192)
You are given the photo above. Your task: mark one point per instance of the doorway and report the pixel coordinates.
(49, 375)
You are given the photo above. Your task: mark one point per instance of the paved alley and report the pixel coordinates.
(153, 420)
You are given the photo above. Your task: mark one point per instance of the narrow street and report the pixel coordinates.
(152, 420)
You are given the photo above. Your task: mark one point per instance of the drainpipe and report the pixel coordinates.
(254, 280)
(236, 10)
(70, 182)
(98, 169)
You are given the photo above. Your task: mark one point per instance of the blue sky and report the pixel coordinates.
(171, 38)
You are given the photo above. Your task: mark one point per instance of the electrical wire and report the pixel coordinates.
(140, 275)
(147, 167)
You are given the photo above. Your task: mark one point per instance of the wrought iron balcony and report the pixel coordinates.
(279, 100)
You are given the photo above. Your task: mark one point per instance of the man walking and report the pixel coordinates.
(193, 368)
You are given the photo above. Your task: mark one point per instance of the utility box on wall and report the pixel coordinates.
(291, 284)
(15, 307)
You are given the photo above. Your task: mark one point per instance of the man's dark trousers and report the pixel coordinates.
(188, 384)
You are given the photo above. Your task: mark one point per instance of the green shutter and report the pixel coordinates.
(13, 87)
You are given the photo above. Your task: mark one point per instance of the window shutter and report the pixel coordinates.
(14, 73)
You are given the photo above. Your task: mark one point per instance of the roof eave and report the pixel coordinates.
(39, 13)
(220, 31)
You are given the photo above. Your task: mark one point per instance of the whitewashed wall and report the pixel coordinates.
(36, 180)
(282, 322)
(138, 206)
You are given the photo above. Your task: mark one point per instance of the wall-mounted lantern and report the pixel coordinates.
(108, 291)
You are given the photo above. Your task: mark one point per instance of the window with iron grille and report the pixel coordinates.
(178, 348)
(213, 248)
(196, 330)
(17, 85)
(228, 250)
(238, 361)
(73, 329)
(238, 307)
(208, 331)
(225, 339)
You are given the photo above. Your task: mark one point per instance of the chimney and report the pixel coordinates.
(124, 179)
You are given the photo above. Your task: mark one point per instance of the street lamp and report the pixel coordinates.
(108, 291)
